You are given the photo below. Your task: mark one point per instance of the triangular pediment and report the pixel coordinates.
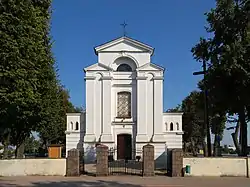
(97, 67)
(150, 67)
(124, 44)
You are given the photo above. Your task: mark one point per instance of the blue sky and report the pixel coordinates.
(171, 27)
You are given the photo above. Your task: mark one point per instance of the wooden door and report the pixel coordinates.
(124, 146)
(120, 146)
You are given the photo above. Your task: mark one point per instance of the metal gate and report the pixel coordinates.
(124, 166)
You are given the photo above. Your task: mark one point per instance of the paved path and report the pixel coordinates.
(123, 181)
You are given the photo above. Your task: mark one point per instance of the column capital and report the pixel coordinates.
(89, 78)
(141, 78)
(158, 78)
(107, 78)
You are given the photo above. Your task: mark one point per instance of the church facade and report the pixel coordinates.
(124, 104)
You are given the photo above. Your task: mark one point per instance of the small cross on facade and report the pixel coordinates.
(124, 24)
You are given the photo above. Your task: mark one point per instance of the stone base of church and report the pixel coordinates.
(107, 138)
(142, 138)
(158, 138)
(90, 138)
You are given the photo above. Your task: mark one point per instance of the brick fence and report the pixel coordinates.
(148, 160)
(177, 163)
(102, 160)
(75, 164)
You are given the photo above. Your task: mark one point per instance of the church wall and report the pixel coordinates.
(72, 119)
(146, 86)
(95, 74)
(121, 83)
(73, 136)
(175, 118)
(121, 76)
(158, 106)
(173, 137)
(90, 108)
(134, 100)
(122, 47)
(150, 105)
(142, 135)
(109, 58)
(173, 140)
(72, 140)
(98, 106)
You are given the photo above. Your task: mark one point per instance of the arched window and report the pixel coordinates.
(71, 125)
(177, 126)
(124, 67)
(77, 126)
(166, 124)
(124, 105)
(171, 126)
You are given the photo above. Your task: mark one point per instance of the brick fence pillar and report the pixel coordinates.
(177, 163)
(81, 161)
(81, 154)
(102, 160)
(148, 161)
(73, 163)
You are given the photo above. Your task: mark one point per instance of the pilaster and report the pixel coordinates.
(106, 135)
(141, 109)
(90, 112)
(158, 109)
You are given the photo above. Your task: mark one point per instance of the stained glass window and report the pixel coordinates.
(124, 105)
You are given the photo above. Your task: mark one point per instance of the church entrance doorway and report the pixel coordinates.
(125, 163)
(124, 146)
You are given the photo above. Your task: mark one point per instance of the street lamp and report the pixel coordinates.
(206, 121)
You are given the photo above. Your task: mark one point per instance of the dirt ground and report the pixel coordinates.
(123, 181)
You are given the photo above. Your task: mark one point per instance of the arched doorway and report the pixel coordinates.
(124, 146)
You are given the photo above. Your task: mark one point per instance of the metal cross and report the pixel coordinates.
(124, 24)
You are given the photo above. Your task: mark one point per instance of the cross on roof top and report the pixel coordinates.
(124, 24)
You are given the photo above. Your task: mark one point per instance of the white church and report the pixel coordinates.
(124, 104)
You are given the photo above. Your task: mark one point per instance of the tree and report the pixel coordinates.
(218, 124)
(54, 131)
(217, 119)
(23, 54)
(227, 54)
(176, 109)
(31, 145)
(193, 122)
(237, 134)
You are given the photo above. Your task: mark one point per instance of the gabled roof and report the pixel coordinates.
(97, 67)
(124, 39)
(151, 67)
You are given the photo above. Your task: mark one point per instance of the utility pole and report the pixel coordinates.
(206, 121)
